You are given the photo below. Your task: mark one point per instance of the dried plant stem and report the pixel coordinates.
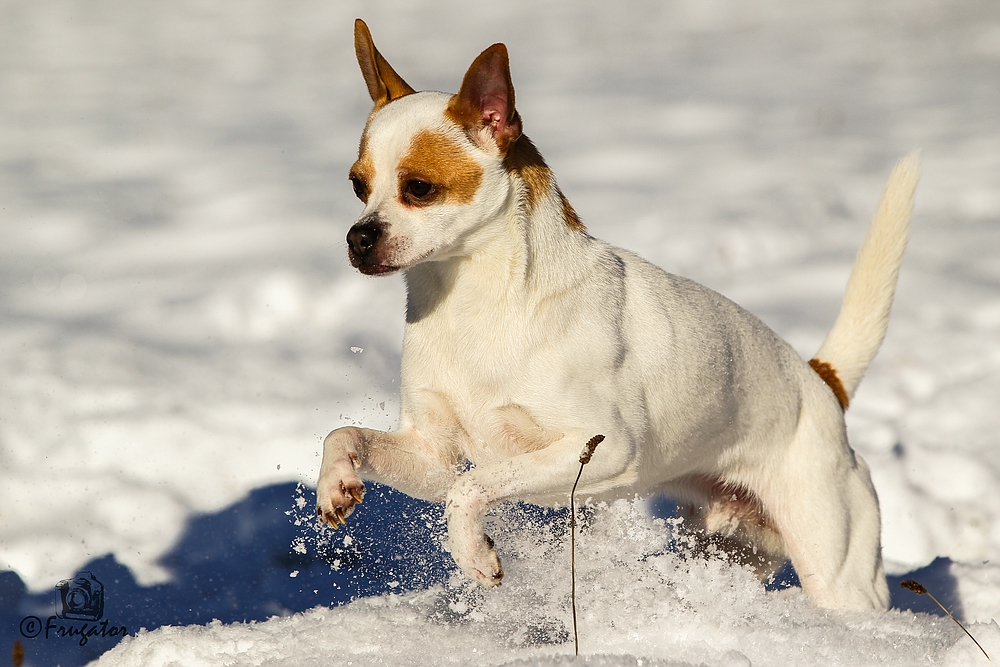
(911, 585)
(588, 452)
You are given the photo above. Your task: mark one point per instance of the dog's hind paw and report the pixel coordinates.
(480, 562)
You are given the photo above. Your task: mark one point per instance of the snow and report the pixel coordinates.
(181, 328)
(634, 599)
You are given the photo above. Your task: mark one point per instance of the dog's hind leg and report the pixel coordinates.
(823, 503)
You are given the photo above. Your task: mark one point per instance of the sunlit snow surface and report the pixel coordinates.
(180, 325)
(638, 604)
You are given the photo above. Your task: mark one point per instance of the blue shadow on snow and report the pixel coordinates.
(247, 562)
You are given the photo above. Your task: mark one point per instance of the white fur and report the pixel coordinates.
(858, 332)
(525, 337)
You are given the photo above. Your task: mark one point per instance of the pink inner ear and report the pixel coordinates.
(494, 110)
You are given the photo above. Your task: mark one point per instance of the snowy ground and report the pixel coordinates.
(179, 319)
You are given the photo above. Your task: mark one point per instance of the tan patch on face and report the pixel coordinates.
(829, 375)
(437, 159)
(363, 143)
(363, 170)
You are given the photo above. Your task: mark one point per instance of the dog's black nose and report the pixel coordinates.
(362, 238)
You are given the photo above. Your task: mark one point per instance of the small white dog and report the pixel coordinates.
(525, 336)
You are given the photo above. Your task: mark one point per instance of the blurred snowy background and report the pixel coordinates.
(179, 326)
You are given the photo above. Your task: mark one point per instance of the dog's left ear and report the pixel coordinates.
(486, 99)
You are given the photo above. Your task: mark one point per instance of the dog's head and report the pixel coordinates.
(431, 166)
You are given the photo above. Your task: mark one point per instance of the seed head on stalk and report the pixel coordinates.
(918, 588)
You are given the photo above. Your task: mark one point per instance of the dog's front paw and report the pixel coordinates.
(479, 561)
(337, 493)
(340, 487)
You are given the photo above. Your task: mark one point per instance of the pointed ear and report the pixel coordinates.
(486, 98)
(384, 85)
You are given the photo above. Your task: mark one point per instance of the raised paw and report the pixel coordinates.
(338, 491)
(479, 560)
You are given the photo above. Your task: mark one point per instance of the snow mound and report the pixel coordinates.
(640, 602)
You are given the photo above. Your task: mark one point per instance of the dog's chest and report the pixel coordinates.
(477, 351)
(497, 363)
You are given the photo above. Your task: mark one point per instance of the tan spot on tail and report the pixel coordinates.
(829, 375)
(438, 159)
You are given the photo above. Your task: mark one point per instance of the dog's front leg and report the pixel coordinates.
(547, 472)
(405, 459)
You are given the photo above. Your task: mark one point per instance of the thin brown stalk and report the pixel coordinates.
(911, 585)
(588, 452)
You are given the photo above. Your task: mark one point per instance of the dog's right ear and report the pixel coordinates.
(384, 85)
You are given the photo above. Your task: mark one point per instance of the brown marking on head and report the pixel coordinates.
(441, 162)
(364, 168)
(384, 85)
(362, 175)
(829, 375)
(486, 99)
(363, 142)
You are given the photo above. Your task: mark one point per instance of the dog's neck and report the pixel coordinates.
(509, 257)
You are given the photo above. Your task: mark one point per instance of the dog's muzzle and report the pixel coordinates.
(366, 246)
(363, 236)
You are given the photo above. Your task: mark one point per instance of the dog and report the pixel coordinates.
(525, 337)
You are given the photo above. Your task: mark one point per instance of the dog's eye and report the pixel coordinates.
(359, 188)
(418, 189)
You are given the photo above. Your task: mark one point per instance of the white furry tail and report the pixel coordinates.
(864, 315)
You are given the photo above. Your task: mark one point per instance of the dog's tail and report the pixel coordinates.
(864, 315)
